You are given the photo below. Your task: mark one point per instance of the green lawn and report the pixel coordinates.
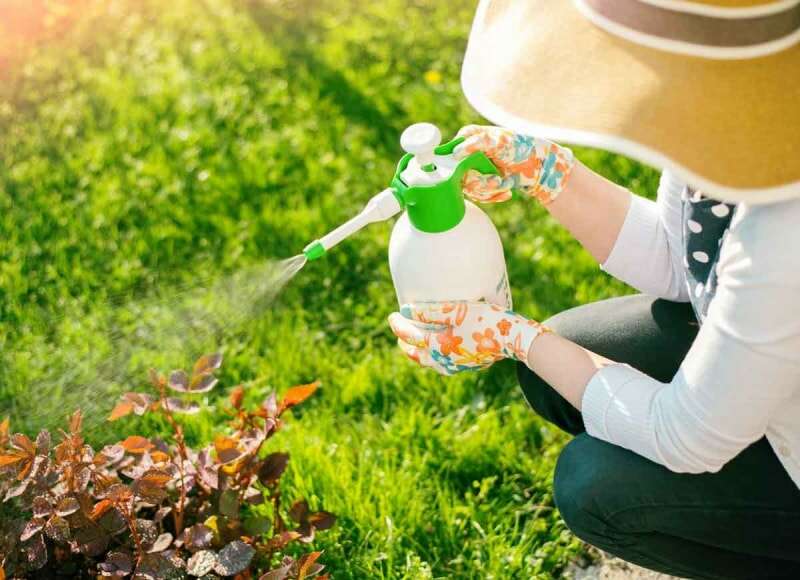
(156, 147)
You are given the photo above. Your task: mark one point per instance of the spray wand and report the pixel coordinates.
(426, 183)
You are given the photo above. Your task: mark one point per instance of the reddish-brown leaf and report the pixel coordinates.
(299, 511)
(207, 363)
(156, 477)
(279, 541)
(201, 563)
(152, 486)
(24, 454)
(64, 450)
(36, 551)
(42, 508)
(253, 496)
(198, 537)
(203, 383)
(100, 508)
(4, 427)
(138, 403)
(57, 529)
(109, 454)
(159, 456)
(233, 467)
(91, 541)
(25, 470)
(43, 443)
(155, 566)
(22, 442)
(136, 444)
(7, 459)
(223, 443)
(163, 542)
(298, 394)
(67, 506)
(147, 530)
(176, 405)
(141, 402)
(103, 482)
(119, 493)
(118, 563)
(121, 410)
(76, 422)
(228, 453)
(32, 528)
(280, 573)
(305, 564)
(322, 520)
(237, 396)
(234, 558)
(178, 381)
(272, 468)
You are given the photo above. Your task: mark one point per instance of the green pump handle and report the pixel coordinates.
(439, 207)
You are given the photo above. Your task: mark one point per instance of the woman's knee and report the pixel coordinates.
(591, 482)
(575, 485)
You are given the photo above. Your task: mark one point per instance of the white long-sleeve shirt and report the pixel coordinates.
(741, 378)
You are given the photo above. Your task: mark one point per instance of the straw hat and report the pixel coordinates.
(709, 89)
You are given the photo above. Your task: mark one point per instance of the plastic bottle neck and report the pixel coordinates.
(433, 201)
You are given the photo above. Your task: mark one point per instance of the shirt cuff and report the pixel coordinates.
(632, 245)
(616, 407)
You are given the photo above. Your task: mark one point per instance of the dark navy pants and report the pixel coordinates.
(741, 522)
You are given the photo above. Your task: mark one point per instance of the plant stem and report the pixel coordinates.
(134, 533)
(177, 515)
(278, 523)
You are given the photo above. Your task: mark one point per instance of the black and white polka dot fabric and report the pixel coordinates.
(705, 225)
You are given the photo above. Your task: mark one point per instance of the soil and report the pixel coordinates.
(606, 567)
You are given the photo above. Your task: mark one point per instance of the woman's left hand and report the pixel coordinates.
(451, 337)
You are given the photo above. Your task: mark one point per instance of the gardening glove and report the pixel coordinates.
(535, 167)
(451, 337)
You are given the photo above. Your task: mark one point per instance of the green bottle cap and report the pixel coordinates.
(439, 207)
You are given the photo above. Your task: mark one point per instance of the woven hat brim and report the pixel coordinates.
(728, 127)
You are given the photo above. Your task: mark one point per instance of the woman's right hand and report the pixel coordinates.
(535, 167)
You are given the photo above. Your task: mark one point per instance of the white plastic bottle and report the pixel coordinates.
(463, 258)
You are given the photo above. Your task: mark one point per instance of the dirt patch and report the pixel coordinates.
(606, 567)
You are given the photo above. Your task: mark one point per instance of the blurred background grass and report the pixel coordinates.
(151, 147)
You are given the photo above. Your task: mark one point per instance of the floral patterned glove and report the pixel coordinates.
(535, 167)
(451, 337)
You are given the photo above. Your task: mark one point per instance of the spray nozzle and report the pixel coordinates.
(314, 250)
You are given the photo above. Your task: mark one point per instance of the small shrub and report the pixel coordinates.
(147, 508)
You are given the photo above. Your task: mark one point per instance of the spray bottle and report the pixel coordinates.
(443, 247)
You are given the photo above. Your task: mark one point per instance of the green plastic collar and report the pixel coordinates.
(438, 208)
(314, 250)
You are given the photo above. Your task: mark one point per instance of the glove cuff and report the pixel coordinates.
(556, 167)
(521, 336)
